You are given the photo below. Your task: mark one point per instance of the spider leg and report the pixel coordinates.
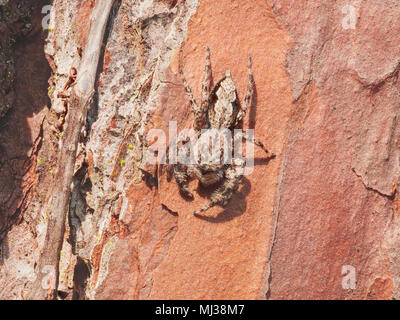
(255, 141)
(261, 145)
(195, 108)
(169, 168)
(182, 179)
(206, 84)
(249, 94)
(222, 196)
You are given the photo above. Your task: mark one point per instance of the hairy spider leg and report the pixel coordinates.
(198, 115)
(206, 85)
(255, 141)
(249, 93)
(182, 179)
(261, 145)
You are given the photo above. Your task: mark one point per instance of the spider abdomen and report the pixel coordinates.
(224, 105)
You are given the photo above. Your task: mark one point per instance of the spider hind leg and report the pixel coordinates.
(249, 93)
(206, 84)
(197, 111)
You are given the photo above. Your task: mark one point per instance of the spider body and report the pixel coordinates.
(223, 104)
(220, 109)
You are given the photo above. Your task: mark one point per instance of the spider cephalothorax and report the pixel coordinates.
(219, 109)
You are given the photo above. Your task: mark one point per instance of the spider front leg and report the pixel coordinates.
(249, 94)
(222, 196)
(182, 179)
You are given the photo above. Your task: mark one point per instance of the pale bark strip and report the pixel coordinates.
(81, 97)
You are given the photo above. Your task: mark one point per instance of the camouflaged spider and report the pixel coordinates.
(219, 109)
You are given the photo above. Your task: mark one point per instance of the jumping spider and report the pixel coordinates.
(219, 109)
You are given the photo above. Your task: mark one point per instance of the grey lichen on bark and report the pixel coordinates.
(45, 287)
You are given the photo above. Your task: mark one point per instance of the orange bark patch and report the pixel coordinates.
(223, 255)
(83, 21)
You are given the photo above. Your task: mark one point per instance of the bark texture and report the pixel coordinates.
(78, 104)
(323, 213)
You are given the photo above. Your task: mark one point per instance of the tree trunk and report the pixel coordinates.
(82, 93)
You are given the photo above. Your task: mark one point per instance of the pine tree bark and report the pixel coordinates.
(46, 284)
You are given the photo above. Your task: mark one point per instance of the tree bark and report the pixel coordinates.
(46, 284)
